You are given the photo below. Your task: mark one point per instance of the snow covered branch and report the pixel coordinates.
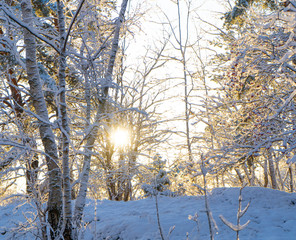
(28, 28)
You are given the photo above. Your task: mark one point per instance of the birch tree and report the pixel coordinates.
(13, 97)
(181, 45)
(55, 202)
(101, 109)
(56, 37)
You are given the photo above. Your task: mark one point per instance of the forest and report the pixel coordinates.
(144, 100)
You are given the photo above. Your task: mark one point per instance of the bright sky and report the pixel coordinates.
(208, 10)
(152, 33)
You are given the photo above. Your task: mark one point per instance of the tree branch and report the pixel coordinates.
(72, 23)
(31, 30)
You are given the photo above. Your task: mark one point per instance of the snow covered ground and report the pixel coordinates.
(272, 214)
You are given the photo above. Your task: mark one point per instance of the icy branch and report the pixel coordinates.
(284, 105)
(235, 228)
(31, 30)
(72, 23)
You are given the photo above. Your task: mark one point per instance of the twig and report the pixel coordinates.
(211, 220)
(158, 220)
(240, 213)
(72, 23)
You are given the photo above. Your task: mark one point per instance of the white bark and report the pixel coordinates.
(55, 186)
(64, 125)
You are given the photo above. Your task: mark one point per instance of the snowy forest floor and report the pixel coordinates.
(272, 216)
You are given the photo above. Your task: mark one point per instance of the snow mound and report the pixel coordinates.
(271, 212)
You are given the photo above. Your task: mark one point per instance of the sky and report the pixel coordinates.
(151, 29)
(153, 26)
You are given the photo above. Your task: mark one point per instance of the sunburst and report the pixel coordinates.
(120, 137)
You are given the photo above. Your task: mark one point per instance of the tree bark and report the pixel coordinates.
(291, 178)
(17, 108)
(55, 202)
(272, 172)
(265, 173)
(240, 177)
(64, 126)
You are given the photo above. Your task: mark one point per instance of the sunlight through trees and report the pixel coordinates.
(124, 100)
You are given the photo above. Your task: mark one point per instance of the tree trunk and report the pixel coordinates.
(182, 49)
(55, 201)
(265, 173)
(17, 108)
(272, 172)
(280, 182)
(110, 180)
(80, 201)
(247, 173)
(65, 130)
(31, 172)
(251, 168)
(128, 190)
(240, 177)
(291, 178)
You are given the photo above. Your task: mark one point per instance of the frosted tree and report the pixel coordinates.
(14, 98)
(136, 113)
(159, 179)
(55, 202)
(51, 102)
(240, 8)
(258, 97)
(101, 109)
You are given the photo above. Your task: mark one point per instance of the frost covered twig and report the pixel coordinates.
(158, 219)
(240, 213)
(212, 223)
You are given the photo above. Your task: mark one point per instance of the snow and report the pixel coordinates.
(271, 214)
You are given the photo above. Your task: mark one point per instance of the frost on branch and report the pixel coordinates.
(240, 213)
(235, 228)
(292, 159)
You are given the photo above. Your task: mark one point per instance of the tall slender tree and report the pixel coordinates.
(55, 201)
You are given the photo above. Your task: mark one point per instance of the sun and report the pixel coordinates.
(120, 137)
